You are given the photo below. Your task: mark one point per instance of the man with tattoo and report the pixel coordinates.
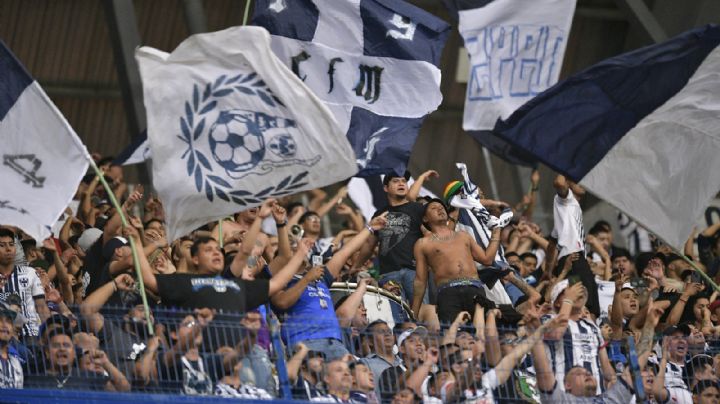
(451, 255)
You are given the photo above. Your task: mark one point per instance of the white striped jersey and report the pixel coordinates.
(568, 229)
(24, 282)
(578, 347)
(11, 373)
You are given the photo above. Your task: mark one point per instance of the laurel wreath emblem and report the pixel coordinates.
(192, 126)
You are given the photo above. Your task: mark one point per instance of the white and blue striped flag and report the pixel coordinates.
(373, 62)
(640, 130)
(43, 160)
(229, 125)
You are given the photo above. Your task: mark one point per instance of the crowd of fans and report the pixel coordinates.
(518, 314)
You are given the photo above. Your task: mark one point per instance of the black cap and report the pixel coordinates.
(63, 325)
(112, 244)
(705, 384)
(393, 174)
(683, 328)
(6, 312)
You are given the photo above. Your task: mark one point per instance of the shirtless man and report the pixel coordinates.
(451, 255)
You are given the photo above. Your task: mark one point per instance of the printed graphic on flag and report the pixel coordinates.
(373, 62)
(244, 128)
(41, 158)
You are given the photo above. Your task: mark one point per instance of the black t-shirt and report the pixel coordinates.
(94, 265)
(75, 380)
(397, 239)
(215, 292)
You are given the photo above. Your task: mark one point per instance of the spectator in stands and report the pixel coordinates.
(305, 370)
(207, 288)
(11, 372)
(707, 392)
(338, 381)
(307, 306)
(125, 343)
(417, 362)
(396, 242)
(363, 389)
(579, 341)
(622, 263)
(60, 370)
(231, 385)
(23, 281)
(381, 344)
(451, 256)
(570, 235)
(95, 361)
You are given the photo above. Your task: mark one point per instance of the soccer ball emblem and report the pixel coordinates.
(236, 141)
(283, 145)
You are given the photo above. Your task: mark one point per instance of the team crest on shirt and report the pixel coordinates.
(220, 285)
(24, 282)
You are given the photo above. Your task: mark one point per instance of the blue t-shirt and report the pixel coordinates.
(313, 315)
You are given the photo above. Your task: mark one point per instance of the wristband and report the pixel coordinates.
(494, 239)
(370, 229)
(115, 288)
(568, 301)
(279, 225)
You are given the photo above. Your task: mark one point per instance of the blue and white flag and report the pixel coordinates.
(373, 62)
(43, 160)
(229, 125)
(516, 50)
(640, 130)
(136, 152)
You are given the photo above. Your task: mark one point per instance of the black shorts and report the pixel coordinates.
(455, 299)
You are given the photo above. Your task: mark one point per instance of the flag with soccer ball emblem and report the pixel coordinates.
(229, 126)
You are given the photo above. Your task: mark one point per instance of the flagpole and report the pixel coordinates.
(136, 260)
(220, 232)
(247, 11)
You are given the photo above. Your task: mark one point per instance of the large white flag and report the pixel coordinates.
(516, 50)
(43, 160)
(229, 125)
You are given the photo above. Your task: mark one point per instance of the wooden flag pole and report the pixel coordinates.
(136, 260)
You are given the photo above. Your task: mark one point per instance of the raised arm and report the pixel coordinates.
(415, 188)
(284, 253)
(149, 279)
(295, 362)
(90, 307)
(327, 206)
(347, 310)
(508, 363)
(240, 260)
(281, 279)
(338, 260)
(492, 338)
(485, 257)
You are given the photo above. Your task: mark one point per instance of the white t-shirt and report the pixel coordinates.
(481, 395)
(24, 282)
(568, 228)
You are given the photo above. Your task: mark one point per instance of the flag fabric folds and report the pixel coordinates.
(373, 62)
(229, 125)
(640, 130)
(516, 49)
(138, 151)
(43, 160)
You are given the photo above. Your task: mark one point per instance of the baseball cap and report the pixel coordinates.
(557, 289)
(420, 330)
(89, 237)
(683, 328)
(6, 311)
(628, 285)
(388, 177)
(56, 322)
(111, 245)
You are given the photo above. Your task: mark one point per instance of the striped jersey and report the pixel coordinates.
(11, 373)
(578, 347)
(24, 282)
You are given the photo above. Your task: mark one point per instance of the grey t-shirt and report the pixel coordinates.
(619, 393)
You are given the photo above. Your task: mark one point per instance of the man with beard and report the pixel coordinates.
(11, 373)
(125, 343)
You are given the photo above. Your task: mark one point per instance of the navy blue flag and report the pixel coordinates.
(136, 152)
(640, 130)
(373, 62)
